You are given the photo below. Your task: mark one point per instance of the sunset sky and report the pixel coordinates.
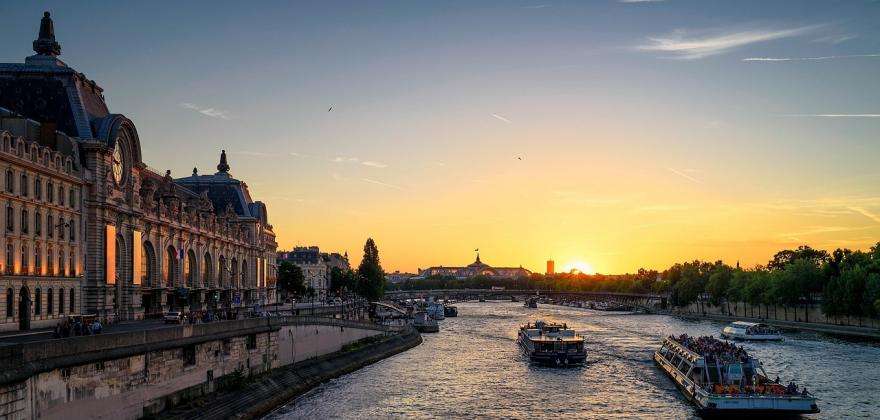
(624, 134)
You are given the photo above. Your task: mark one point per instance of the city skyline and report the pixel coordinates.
(617, 134)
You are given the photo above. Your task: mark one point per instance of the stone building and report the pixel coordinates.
(143, 243)
(313, 266)
(476, 268)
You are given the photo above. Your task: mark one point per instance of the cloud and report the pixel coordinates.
(833, 115)
(819, 58)
(835, 39)
(684, 175)
(384, 184)
(342, 159)
(866, 213)
(374, 164)
(208, 112)
(681, 46)
(500, 118)
(537, 6)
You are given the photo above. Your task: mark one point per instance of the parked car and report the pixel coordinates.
(174, 318)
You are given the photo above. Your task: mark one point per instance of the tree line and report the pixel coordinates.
(368, 281)
(845, 282)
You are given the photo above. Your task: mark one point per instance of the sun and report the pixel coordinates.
(580, 267)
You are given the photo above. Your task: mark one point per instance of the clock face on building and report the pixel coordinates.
(118, 163)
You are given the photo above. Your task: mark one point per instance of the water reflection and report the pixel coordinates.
(473, 368)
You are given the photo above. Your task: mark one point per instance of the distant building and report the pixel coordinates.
(551, 267)
(477, 268)
(315, 265)
(398, 277)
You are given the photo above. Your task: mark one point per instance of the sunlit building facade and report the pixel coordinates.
(476, 268)
(84, 214)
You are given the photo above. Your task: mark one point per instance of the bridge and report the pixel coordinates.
(645, 301)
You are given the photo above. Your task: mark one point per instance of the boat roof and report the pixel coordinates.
(745, 324)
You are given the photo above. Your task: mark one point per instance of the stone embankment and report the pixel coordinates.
(135, 374)
(279, 386)
(832, 329)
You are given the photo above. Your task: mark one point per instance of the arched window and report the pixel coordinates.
(50, 225)
(24, 221)
(50, 192)
(25, 267)
(38, 223)
(10, 298)
(71, 268)
(61, 228)
(50, 302)
(38, 188)
(71, 200)
(38, 260)
(10, 255)
(190, 268)
(72, 225)
(38, 303)
(207, 268)
(60, 300)
(170, 267)
(72, 301)
(24, 184)
(50, 261)
(61, 262)
(244, 274)
(10, 218)
(10, 181)
(148, 264)
(61, 195)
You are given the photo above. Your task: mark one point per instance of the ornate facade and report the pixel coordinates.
(476, 268)
(144, 243)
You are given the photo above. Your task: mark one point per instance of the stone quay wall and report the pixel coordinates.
(134, 374)
(809, 317)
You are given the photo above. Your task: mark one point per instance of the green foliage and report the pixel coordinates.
(371, 277)
(342, 280)
(847, 282)
(291, 280)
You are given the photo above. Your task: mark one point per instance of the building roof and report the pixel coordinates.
(225, 191)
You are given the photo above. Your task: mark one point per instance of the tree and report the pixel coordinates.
(341, 280)
(291, 280)
(804, 252)
(719, 285)
(371, 277)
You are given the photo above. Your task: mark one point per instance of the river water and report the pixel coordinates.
(473, 368)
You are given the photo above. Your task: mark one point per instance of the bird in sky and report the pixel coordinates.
(519, 157)
(330, 109)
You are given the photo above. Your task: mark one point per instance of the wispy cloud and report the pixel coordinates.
(374, 164)
(206, 111)
(683, 46)
(684, 175)
(835, 39)
(384, 184)
(818, 58)
(537, 6)
(500, 118)
(833, 115)
(864, 212)
(343, 159)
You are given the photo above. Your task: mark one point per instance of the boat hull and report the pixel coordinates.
(558, 359)
(711, 405)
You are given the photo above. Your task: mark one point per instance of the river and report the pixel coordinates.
(473, 368)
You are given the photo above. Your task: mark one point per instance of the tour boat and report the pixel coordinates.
(752, 331)
(531, 303)
(424, 323)
(552, 344)
(435, 310)
(725, 380)
(450, 311)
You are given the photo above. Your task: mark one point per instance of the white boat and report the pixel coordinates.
(751, 331)
(424, 323)
(730, 383)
